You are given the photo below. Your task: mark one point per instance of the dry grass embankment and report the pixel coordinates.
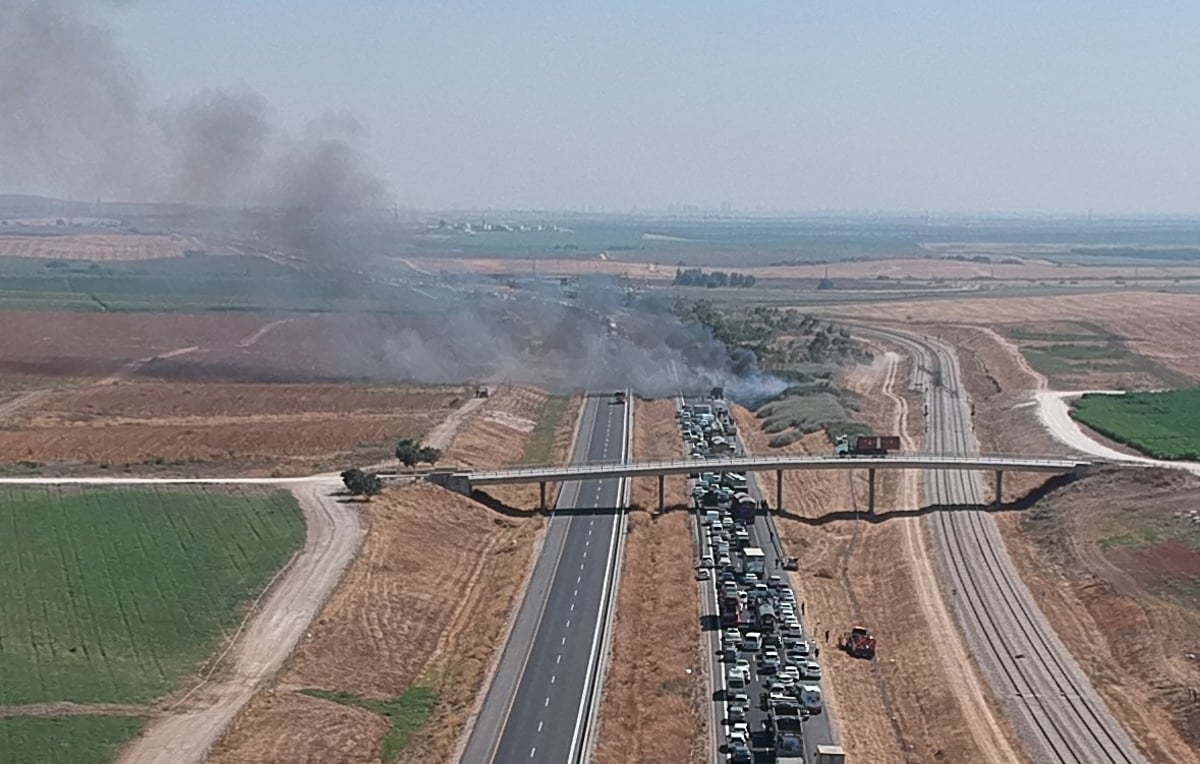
(655, 707)
(426, 603)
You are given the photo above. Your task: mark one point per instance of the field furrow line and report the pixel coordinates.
(93, 613)
(63, 537)
(19, 550)
(181, 525)
(110, 556)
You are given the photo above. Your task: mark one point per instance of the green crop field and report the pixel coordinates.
(64, 739)
(115, 595)
(1162, 425)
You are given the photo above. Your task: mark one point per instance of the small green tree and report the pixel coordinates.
(408, 452)
(429, 455)
(360, 483)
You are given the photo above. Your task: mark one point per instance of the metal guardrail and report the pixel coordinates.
(763, 463)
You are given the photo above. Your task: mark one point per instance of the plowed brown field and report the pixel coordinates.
(427, 602)
(256, 428)
(655, 706)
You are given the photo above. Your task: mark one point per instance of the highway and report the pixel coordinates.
(1056, 710)
(818, 729)
(540, 706)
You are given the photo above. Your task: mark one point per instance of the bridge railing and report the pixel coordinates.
(734, 462)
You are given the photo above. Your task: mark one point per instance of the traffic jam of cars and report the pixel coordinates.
(770, 669)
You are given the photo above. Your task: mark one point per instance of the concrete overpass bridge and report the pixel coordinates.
(466, 481)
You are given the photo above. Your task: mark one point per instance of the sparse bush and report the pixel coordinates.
(783, 439)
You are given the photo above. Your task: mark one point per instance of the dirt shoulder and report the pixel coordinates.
(426, 603)
(654, 707)
(912, 703)
(1105, 605)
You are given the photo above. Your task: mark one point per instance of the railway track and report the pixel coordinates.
(1057, 712)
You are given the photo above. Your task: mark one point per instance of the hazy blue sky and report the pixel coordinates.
(955, 105)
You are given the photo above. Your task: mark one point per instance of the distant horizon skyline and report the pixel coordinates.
(688, 211)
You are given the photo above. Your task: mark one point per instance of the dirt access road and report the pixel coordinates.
(197, 720)
(333, 538)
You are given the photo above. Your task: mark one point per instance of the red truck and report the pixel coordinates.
(732, 611)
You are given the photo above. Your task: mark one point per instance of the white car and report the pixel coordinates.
(740, 733)
(811, 670)
(706, 561)
(788, 675)
(810, 698)
(742, 665)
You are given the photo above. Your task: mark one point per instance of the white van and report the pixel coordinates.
(711, 516)
(736, 679)
(810, 698)
(752, 641)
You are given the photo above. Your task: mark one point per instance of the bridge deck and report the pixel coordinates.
(768, 463)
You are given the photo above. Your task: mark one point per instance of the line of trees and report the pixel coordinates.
(713, 279)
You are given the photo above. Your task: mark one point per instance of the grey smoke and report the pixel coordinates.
(76, 121)
(214, 143)
(546, 341)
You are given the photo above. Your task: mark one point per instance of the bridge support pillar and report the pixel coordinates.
(778, 490)
(999, 488)
(871, 490)
(661, 497)
(542, 487)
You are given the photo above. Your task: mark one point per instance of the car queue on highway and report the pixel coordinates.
(766, 669)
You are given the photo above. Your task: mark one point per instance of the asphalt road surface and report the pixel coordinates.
(539, 702)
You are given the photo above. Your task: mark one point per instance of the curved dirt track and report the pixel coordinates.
(1057, 711)
(333, 537)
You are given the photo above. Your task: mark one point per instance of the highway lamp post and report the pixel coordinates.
(661, 498)
(542, 505)
(999, 488)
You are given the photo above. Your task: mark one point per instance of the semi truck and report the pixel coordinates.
(755, 560)
(866, 445)
(732, 611)
(744, 507)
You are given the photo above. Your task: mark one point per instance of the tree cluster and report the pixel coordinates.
(361, 483)
(410, 452)
(779, 338)
(712, 280)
